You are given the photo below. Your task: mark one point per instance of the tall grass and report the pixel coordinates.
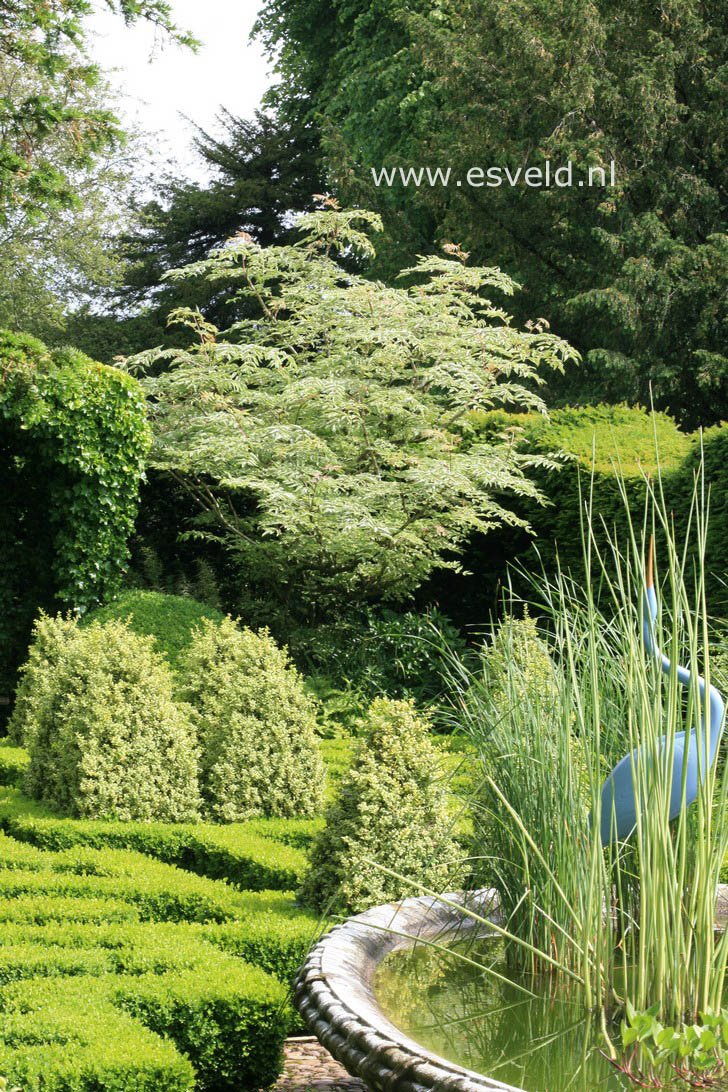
(550, 712)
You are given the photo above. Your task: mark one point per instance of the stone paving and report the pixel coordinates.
(308, 1065)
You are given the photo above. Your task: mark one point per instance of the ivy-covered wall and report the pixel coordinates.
(73, 441)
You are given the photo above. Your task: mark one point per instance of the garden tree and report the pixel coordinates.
(325, 438)
(634, 276)
(45, 38)
(59, 260)
(262, 171)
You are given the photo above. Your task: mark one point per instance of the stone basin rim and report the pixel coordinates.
(334, 992)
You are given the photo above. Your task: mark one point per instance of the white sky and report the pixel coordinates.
(162, 85)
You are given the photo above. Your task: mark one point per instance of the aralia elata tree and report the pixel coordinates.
(326, 435)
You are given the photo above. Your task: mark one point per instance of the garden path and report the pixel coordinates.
(308, 1065)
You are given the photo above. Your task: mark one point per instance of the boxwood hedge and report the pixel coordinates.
(256, 726)
(143, 971)
(226, 1020)
(246, 854)
(13, 763)
(106, 740)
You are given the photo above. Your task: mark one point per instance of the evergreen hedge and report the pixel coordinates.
(715, 461)
(597, 440)
(159, 891)
(142, 972)
(154, 891)
(215, 1023)
(13, 763)
(38, 678)
(45, 910)
(170, 619)
(241, 856)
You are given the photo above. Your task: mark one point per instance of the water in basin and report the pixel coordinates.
(460, 1012)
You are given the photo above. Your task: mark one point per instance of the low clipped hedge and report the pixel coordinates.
(275, 937)
(187, 977)
(46, 910)
(13, 763)
(155, 899)
(160, 891)
(75, 1040)
(299, 833)
(230, 1020)
(272, 932)
(247, 855)
(267, 922)
(224, 1019)
(263, 925)
(170, 619)
(248, 861)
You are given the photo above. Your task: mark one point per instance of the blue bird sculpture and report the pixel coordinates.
(619, 813)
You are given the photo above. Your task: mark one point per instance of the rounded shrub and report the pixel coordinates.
(105, 737)
(170, 619)
(517, 666)
(255, 726)
(51, 640)
(391, 809)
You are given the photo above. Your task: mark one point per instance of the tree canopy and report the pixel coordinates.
(44, 40)
(325, 437)
(262, 171)
(633, 275)
(56, 261)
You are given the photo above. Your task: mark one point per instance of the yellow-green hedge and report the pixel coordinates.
(247, 855)
(603, 443)
(159, 1010)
